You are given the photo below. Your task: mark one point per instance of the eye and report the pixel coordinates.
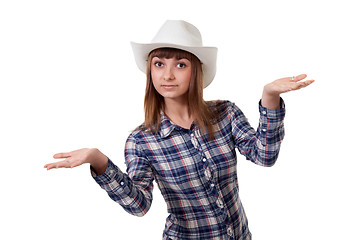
(181, 65)
(158, 64)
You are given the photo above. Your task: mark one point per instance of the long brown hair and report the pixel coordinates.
(154, 102)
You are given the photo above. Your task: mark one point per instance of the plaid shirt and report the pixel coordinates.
(196, 176)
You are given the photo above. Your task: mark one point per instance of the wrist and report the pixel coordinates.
(98, 161)
(270, 100)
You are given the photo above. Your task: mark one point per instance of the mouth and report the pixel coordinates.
(169, 86)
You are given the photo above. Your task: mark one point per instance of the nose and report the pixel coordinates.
(168, 74)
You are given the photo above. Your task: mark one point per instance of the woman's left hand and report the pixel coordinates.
(287, 84)
(271, 94)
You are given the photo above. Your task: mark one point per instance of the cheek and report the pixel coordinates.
(154, 77)
(188, 78)
(155, 82)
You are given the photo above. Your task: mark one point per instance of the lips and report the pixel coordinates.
(168, 86)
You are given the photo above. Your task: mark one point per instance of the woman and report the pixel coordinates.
(186, 144)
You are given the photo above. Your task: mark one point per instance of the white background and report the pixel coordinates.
(69, 80)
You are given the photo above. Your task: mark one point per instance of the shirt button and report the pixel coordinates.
(212, 185)
(264, 112)
(122, 183)
(219, 203)
(230, 232)
(204, 160)
(264, 129)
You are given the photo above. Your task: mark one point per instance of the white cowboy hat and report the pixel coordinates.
(181, 35)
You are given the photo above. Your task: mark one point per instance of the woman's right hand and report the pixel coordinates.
(78, 157)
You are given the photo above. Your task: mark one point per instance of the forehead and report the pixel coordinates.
(170, 53)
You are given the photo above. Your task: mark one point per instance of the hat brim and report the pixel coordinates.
(206, 55)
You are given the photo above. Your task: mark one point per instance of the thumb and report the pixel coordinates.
(62, 155)
(300, 77)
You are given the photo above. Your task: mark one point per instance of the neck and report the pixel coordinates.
(178, 112)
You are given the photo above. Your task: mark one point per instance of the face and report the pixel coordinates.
(171, 77)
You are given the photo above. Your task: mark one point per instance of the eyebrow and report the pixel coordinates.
(179, 58)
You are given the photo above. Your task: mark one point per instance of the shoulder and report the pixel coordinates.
(222, 108)
(141, 134)
(218, 105)
(136, 142)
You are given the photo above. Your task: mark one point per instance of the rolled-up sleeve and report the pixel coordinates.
(263, 145)
(132, 190)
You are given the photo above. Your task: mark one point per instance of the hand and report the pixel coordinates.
(271, 94)
(79, 157)
(287, 84)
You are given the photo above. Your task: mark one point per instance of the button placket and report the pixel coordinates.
(230, 232)
(208, 174)
(219, 203)
(194, 140)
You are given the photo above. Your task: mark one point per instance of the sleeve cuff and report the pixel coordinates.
(108, 176)
(273, 113)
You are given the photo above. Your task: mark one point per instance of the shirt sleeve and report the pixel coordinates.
(263, 145)
(132, 190)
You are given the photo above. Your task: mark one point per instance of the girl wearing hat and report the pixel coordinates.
(188, 145)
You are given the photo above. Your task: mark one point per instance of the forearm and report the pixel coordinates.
(134, 198)
(262, 146)
(270, 101)
(99, 163)
(263, 155)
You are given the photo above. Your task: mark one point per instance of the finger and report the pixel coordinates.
(50, 166)
(303, 84)
(300, 77)
(60, 164)
(306, 83)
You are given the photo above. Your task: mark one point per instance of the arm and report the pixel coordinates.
(262, 146)
(133, 191)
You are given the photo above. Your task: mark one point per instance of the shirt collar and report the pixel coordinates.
(166, 126)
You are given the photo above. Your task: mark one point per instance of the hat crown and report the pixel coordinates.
(178, 32)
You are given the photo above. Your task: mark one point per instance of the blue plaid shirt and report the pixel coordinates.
(196, 176)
